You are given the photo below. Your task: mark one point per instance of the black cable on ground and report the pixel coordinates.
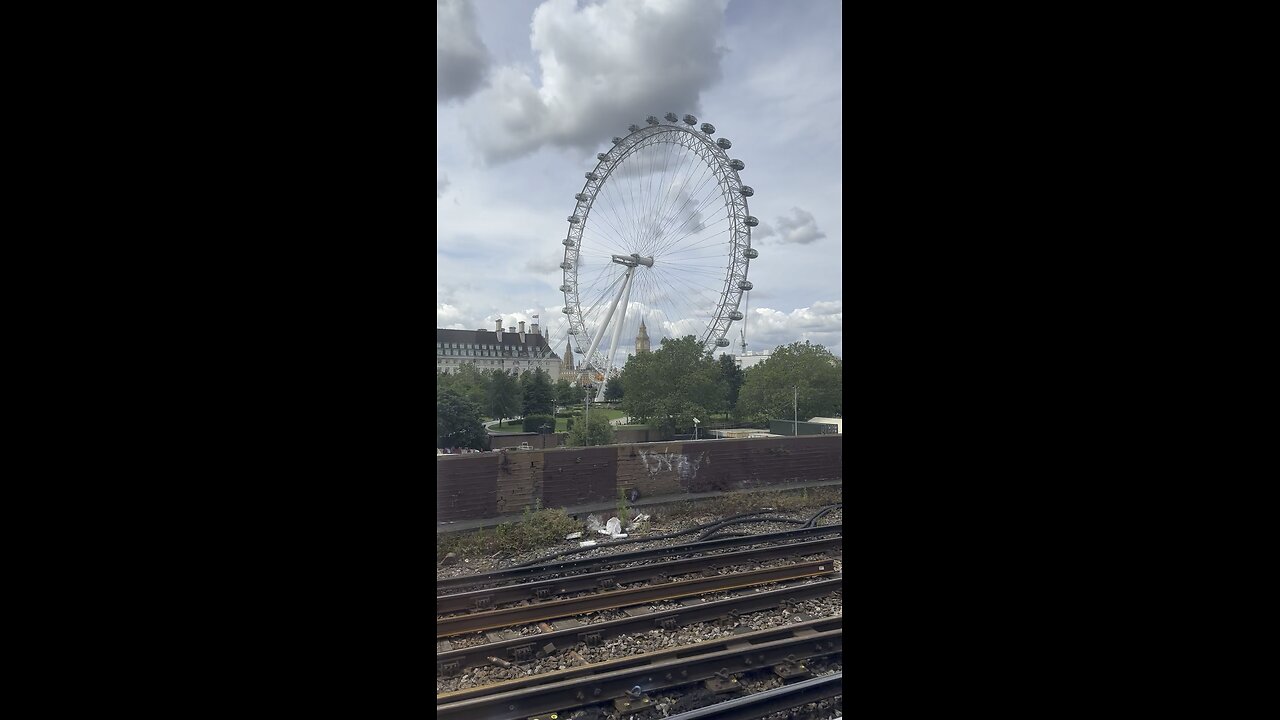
(813, 521)
(717, 527)
(645, 538)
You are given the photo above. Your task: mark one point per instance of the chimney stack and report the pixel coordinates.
(512, 329)
(521, 332)
(534, 327)
(498, 330)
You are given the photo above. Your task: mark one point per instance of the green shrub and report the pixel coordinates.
(534, 423)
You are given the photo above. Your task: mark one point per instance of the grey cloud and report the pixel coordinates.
(801, 229)
(543, 265)
(762, 231)
(462, 61)
(603, 67)
(442, 182)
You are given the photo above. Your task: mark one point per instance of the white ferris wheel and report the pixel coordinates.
(660, 235)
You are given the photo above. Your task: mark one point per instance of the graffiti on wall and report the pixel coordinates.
(656, 462)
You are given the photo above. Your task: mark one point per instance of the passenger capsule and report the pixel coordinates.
(671, 117)
(602, 156)
(751, 253)
(652, 120)
(746, 191)
(724, 143)
(708, 128)
(566, 266)
(564, 288)
(690, 120)
(736, 164)
(566, 242)
(593, 176)
(574, 219)
(633, 128)
(745, 285)
(617, 140)
(722, 342)
(751, 221)
(565, 310)
(735, 315)
(582, 197)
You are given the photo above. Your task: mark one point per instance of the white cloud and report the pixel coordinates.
(602, 67)
(563, 78)
(820, 323)
(461, 58)
(801, 229)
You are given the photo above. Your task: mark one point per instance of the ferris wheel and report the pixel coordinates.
(660, 236)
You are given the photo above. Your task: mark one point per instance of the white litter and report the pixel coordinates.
(613, 527)
(593, 523)
(573, 536)
(586, 543)
(635, 522)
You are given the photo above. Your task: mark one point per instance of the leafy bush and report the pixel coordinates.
(534, 423)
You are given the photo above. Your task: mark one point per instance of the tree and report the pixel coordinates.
(613, 388)
(672, 385)
(470, 382)
(811, 369)
(733, 378)
(565, 393)
(596, 432)
(458, 421)
(539, 395)
(503, 397)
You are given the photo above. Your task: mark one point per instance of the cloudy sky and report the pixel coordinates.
(529, 91)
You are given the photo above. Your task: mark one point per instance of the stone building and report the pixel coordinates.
(510, 351)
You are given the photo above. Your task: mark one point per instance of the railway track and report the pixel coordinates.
(785, 656)
(584, 565)
(522, 619)
(488, 598)
(494, 619)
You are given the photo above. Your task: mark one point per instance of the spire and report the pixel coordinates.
(642, 340)
(568, 356)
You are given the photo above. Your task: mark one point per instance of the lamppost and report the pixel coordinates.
(544, 435)
(695, 428)
(795, 411)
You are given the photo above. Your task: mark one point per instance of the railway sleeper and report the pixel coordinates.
(630, 705)
(723, 682)
(522, 653)
(792, 667)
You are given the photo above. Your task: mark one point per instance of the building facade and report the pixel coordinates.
(642, 339)
(510, 351)
(746, 360)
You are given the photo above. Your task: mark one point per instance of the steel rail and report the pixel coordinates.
(519, 649)
(520, 615)
(758, 705)
(807, 628)
(607, 579)
(567, 694)
(534, 571)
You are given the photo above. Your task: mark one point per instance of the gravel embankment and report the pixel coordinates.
(475, 566)
(637, 643)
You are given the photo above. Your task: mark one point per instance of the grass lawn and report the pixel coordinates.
(561, 423)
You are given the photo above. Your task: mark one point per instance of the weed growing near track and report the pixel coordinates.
(537, 529)
(734, 503)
